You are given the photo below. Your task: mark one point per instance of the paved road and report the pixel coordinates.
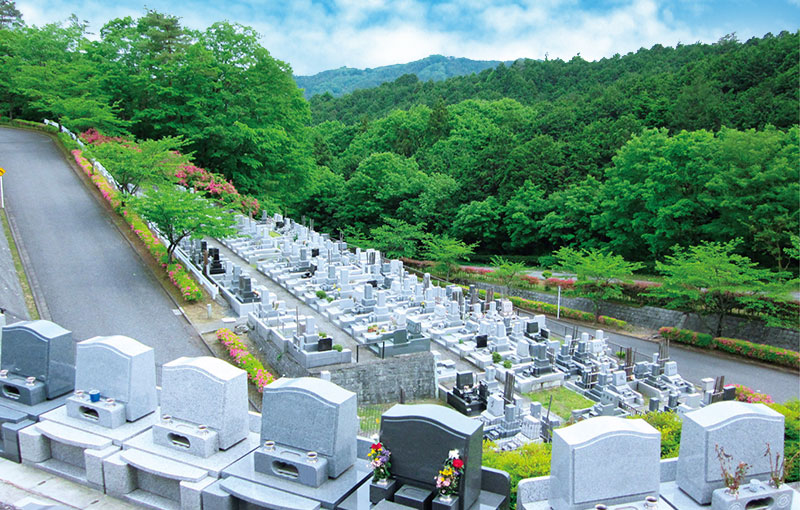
(694, 366)
(93, 282)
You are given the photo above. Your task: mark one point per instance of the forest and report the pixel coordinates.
(632, 154)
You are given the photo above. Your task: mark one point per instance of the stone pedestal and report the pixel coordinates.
(755, 495)
(444, 503)
(379, 491)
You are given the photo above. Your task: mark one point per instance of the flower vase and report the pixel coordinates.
(445, 502)
(382, 489)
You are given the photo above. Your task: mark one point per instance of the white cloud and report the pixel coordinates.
(370, 33)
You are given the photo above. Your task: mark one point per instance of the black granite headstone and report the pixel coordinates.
(324, 344)
(465, 379)
(420, 438)
(481, 341)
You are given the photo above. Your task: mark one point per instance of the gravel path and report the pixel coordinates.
(91, 279)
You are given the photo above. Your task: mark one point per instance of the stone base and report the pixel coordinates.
(442, 503)
(11, 422)
(328, 495)
(414, 497)
(380, 491)
(766, 497)
(67, 452)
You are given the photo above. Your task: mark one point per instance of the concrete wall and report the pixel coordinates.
(375, 381)
(652, 317)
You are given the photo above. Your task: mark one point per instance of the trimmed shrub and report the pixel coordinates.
(745, 394)
(791, 438)
(669, 424)
(684, 336)
(614, 323)
(244, 359)
(762, 352)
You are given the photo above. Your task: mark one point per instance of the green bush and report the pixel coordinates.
(791, 439)
(684, 336)
(547, 274)
(614, 323)
(322, 294)
(337, 347)
(496, 357)
(507, 363)
(669, 424)
(751, 350)
(531, 460)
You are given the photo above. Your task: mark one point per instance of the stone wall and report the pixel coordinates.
(651, 317)
(375, 381)
(380, 381)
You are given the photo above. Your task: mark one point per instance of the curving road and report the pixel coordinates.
(693, 366)
(92, 281)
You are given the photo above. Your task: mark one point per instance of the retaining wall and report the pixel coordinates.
(651, 317)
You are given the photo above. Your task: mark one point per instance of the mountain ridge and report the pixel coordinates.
(345, 79)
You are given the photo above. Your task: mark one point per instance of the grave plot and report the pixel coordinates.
(615, 463)
(114, 400)
(203, 428)
(37, 373)
(307, 458)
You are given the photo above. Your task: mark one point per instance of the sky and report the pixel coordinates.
(315, 35)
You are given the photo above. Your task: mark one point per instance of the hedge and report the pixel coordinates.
(178, 275)
(244, 359)
(776, 355)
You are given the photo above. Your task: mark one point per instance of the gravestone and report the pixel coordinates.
(324, 344)
(481, 341)
(307, 414)
(206, 401)
(604, 460)
(741, 429)
(121, 369)
(421, 437)
(39, 349)
(508, 390)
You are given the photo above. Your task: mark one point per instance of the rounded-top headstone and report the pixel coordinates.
(741, 429)
(604, 460)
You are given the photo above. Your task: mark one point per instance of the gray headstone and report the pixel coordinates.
(741, 429)
(310, 414)
(207, 391)
(671, 368)
(508, 390)
(40, 349)
(606, 460)
(120, 368)
(420, 438)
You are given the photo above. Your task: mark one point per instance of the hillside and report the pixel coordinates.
(347, 79)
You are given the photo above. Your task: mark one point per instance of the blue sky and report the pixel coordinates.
(315, 35)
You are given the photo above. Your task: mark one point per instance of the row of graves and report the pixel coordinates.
(389, 311)
(586, 366)
(91, 412)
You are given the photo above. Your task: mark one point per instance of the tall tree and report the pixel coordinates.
(10, 17)
(600, 275)
(447, 252)
(711, 280)
(179, 214)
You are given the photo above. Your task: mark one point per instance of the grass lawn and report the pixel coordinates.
(564, 401)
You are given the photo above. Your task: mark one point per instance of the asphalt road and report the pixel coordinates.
(92, 280)
(693, 365)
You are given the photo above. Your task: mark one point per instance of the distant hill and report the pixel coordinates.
(346, 79)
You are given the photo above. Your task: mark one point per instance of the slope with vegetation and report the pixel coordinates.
(344, 80)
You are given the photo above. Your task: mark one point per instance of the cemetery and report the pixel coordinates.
(486, 355)
(192, 443)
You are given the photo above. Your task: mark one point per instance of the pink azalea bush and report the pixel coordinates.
(177, 274)
(745, 394)
(744, 348)
(244, 359)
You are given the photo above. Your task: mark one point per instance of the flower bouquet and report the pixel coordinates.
(450, 475)
(379, 458)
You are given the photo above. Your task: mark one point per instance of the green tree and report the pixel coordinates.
(179, 214)
(599, 274)
(506, 271)
(147, 162)
(10, 17)
(712, 281)
(447, 252)
(396, 238)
